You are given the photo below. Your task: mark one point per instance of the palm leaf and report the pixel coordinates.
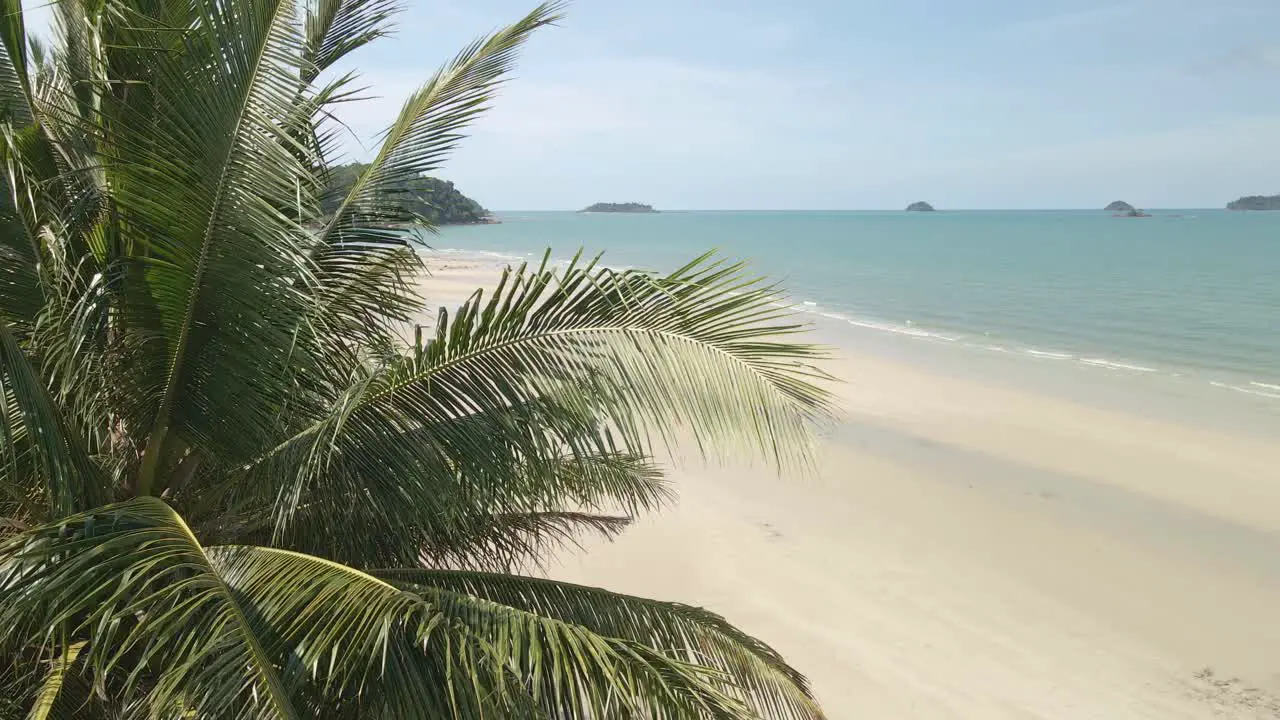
(407, 508)
(21, 295)
(15, 85)
(509, 541)
(431, 487)
(548, 368)
(94, 571)
(25, 211)
(206, 174)
(78, 62)
(258, 632)
(36, 444)
(363, 269)
(47, 700)
(758, 674)
(335, 28)
(572, 672)
(180, 326)
(702, 346)
(429, 124)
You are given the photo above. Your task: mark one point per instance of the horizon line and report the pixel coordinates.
(936, 209)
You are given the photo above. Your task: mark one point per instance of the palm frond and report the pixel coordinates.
(335, 28)
(704, 347)
(19, 682)
(364, 260)
(756, 673)
(50, 701)
(25, 210)
(571, 672)
(590, 348)
(510, 541)
(499, 654)
(206, 174)
(68, 89)
(427, 487)
(430, 121)
(258, 632)
(548, 368)
(132, 582)
(15, 84)
(21, 294)
(37, 447)
(79, 61)
(179, 325)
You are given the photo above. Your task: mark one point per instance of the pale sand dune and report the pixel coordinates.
(971, 550)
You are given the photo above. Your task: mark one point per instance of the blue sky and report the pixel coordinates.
(860, 103)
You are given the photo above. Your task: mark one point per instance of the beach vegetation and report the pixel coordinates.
(234, 484)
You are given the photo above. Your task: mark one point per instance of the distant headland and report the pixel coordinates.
(435, 200)
(627, 207)
(1255, 202)
(920, 206)
(1119, 206)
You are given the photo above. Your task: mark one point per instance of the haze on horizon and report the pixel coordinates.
(823, 104)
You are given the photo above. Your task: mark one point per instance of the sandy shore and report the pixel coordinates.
(975, 549)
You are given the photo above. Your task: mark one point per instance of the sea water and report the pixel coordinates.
(1188, 294)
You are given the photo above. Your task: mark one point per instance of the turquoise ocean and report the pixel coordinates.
(1186, 294)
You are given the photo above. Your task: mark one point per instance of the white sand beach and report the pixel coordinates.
(972, 548)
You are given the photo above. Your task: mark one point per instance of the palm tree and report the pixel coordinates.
(229, 489)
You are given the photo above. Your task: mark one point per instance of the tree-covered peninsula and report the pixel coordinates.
(434, 199)
(1255, 202)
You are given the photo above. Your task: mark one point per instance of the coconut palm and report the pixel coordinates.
(231, 486)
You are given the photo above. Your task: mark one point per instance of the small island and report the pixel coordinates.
(1119, 206)
(920, 206)
(627, 207)
(1255, 202)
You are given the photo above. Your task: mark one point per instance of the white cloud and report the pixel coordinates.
(681, 127)
(631, 108)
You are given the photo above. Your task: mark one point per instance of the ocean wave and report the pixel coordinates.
(472, 254)
(1253, 388)
(1113, 365)
(1048, 354)
(813, 308)
(908, 330)
(497, 259)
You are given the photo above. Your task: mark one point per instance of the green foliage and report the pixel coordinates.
(230, 489)
(437, 201)
(1255, 202)
(626, 207)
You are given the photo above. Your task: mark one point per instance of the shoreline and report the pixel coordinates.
(1256, 392)
(977, 542)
